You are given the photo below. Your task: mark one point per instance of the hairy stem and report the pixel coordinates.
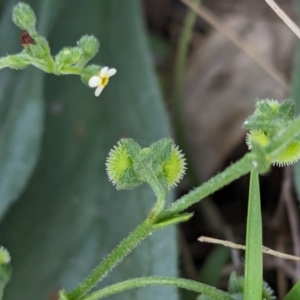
(236, 170)
(117, 255)
(154, 281)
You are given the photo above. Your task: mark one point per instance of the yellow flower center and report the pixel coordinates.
(104, 80)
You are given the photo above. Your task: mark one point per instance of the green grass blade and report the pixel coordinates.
(294, 293)
(253, 262)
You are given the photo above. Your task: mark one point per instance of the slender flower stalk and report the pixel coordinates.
(116, 256)
(236, 170)
(187, 284)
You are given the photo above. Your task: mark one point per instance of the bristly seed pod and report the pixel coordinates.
(174, 168)
(119, 167)
(128, 165)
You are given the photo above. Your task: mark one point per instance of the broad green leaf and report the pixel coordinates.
(21, 111)
(294, 293)
(21, 118)
(70, 216)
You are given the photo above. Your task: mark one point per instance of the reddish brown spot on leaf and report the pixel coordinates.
(26, 39)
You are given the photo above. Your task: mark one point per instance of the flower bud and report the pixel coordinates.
(24, 17)
(68, 56)
(119, 166)
(89, 45)
(4, 256)
(40, 49)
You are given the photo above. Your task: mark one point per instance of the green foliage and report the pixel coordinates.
(254, 258)
(268, 122)
(69, 217)
(66, 217)
(5, 269)
(89, 46)
(37, 50)
(22, 118)
(294, 293)
(23, 16)
(271, 116)
(162, 165)
(236, 285)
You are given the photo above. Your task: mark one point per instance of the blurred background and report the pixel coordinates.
(220, 85)
(59, 214)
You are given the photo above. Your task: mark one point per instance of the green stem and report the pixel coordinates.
(21, 61)
(71, 71)
(117, 255)
(157, 209)
(157, 280)
(17, 61)
(253, 261)
(158, 187)
(238, 169)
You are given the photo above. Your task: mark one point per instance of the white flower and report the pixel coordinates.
(100, 81)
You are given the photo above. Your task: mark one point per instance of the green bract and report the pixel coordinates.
(24, 17)
(89, 45)
(268, 121)
(128, 165)
(120, 169)
(236, 289)
(4, 256)
(5, 269)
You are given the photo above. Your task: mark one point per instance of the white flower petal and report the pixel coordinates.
(103, 71)
(94, 81)
(111, 72)
(98, 91)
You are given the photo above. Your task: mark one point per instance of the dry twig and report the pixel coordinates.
(242, 247)
(284, 17)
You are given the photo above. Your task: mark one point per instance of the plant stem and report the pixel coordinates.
(157, 209)
(117, 255)
(253, 262)
(238, 169)
(10, 61)
(157, 280)
(71, 71)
